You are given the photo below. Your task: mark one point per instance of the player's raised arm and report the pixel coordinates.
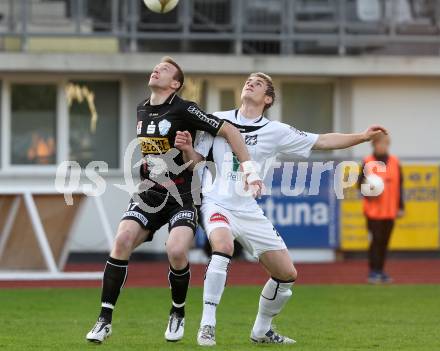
(333, 141)
(235, 140)
(184, 143)
(215, 126)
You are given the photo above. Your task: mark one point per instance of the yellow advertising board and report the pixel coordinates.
(418, 229)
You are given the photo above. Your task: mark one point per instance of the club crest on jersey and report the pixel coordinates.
(139, 128)
(164, 127)
(151, 128)
(251, 139)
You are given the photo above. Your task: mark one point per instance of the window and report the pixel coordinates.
(33, 124)
(93, 122)
(227, 99)
(308, 106)
(195, 89)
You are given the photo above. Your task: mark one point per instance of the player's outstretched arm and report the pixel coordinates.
(184, 143)
(333, 141)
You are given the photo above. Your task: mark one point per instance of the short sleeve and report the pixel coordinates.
(295, 142)
(203, 143)
(200, 120)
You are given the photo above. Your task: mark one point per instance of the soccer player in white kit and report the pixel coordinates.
(227, 215)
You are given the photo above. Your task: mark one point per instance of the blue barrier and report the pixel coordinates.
(304, 221)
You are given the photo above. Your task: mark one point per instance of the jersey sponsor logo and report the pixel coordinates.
(188, 215)
(139, 128)
(154, 145)
(151, 128)
(251, 140)
(137, 215)
(235, 163)
(235, 176)
(200, 115)
(218, 217)
(297, 131)
(164, 127)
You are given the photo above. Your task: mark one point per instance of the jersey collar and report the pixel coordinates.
(257, 121)
(168, 101)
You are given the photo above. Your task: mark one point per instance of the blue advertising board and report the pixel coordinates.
(303, 220)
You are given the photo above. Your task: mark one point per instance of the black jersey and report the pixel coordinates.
(156, 132)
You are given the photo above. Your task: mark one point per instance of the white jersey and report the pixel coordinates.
(265, 140)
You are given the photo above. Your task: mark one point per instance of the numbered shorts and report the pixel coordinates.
(251, 229)
(161, 212)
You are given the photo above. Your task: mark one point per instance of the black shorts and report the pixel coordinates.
(170, 212)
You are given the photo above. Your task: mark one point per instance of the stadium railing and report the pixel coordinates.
(267, 27)
(35, 231)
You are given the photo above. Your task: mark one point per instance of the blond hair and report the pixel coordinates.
(270, 89)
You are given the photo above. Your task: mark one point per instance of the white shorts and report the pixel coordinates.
(252, 230)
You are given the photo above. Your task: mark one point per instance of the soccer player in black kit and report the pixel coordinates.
(168, 198)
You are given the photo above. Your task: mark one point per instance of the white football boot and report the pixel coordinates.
(175, 328)
(272, 337)
(101, 330)
(206, 335)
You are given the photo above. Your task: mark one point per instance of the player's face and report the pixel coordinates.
(382, 145)
(162, 76)
(254, 89)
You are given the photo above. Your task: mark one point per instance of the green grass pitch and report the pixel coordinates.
(318, 317)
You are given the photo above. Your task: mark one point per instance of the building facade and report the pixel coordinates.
(73, 72)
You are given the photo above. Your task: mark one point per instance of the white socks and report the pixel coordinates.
(215, 280)
(274, 296)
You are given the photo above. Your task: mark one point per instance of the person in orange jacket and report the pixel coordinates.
(382, 210)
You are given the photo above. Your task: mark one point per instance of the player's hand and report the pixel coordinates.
(183, 141)
(257, 187)
(400, 213)
(373, 131)
(252, 180)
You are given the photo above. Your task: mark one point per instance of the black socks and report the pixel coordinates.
(179, 282)
(115, 275)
